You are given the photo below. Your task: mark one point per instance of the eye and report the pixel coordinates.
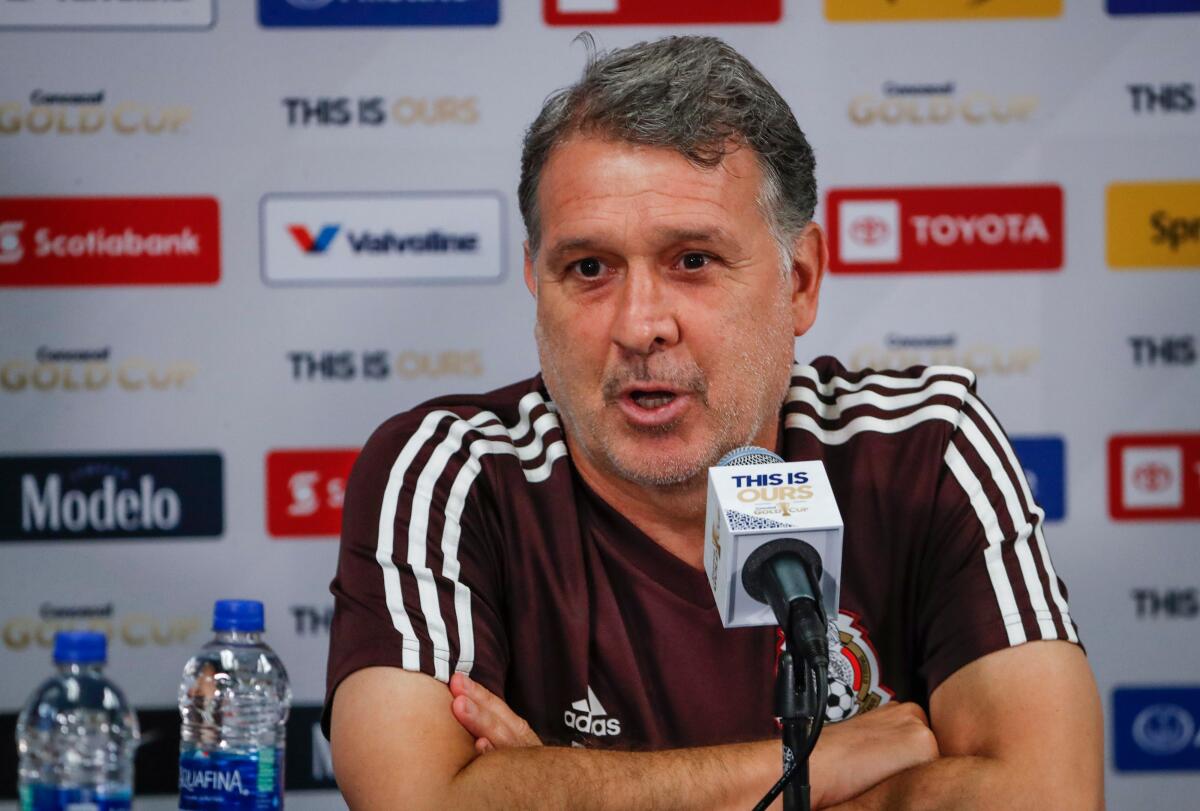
(589, 268)
(694, 261)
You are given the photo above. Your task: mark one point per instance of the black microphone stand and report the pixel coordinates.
(796, 704)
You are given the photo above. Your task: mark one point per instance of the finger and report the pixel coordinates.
(473, 720)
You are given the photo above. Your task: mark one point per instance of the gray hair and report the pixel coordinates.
(695, 95)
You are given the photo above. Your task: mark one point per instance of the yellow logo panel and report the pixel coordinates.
(867, 10)
(1154, 225)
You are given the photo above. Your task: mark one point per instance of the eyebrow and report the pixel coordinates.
(668, 236)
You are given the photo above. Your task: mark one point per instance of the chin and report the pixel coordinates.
(653, 467)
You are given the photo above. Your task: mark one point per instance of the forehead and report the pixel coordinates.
(592, 183)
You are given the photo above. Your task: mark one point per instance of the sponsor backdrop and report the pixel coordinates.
(235, 236)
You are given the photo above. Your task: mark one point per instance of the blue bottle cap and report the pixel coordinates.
(238, 615)
(80, 647)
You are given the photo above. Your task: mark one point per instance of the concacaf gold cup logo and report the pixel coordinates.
(783, 494)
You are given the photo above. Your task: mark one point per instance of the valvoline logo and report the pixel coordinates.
(310, 244)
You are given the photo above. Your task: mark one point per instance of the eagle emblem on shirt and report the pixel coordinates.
(854, 683)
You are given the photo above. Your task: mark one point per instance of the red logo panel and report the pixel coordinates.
(945, 229)
(66, 241)
(1154, 477)
(305, 490)
(660, 12)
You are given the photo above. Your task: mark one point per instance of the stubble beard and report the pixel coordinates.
(765, 364)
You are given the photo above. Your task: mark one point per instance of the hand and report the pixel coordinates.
(485, 715)
(856, 755)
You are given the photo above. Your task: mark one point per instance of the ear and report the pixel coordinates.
(810, 258)
(530, 272)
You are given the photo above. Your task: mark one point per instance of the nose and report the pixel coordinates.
(645, 321)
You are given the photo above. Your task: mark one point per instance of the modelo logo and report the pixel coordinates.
(135, 629)
(92, 370)
(946, 229)
(939, 104)
(87, 114)
(109, 497)
(660, 12)
(372, 13)
(1155, 728)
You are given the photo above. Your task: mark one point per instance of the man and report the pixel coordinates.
(525, 567)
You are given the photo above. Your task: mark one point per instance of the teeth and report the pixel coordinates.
(652, 399)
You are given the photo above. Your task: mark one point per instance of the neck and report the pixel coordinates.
(673, 517)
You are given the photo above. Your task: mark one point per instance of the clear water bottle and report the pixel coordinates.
(77, 735)
(234, 702)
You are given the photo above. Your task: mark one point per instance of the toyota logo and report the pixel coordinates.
(868, 230)
(1152, 477)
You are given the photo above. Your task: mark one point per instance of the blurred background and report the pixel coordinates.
(236, 235)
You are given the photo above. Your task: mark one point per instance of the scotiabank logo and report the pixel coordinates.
(946, 229)
(305, 489)
(66, 241)
(117, 496)
(1154, 477)
(863, 10)
(660, 12)
(382, 238)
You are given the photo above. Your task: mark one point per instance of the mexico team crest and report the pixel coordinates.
(853, 671)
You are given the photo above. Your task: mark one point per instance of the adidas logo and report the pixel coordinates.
(587, 715)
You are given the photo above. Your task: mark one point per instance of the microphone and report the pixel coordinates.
(773, 547)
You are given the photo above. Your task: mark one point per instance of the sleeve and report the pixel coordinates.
(418, 583)
(987, 582)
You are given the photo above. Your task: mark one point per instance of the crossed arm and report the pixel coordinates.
(1019, 728)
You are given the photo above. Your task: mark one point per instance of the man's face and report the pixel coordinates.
(665, 321)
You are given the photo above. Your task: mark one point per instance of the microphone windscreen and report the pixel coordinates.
(749, 455)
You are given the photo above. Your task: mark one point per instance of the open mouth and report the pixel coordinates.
(651, 399)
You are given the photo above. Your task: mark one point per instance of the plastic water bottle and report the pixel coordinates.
(234, 702)
(77, 735)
